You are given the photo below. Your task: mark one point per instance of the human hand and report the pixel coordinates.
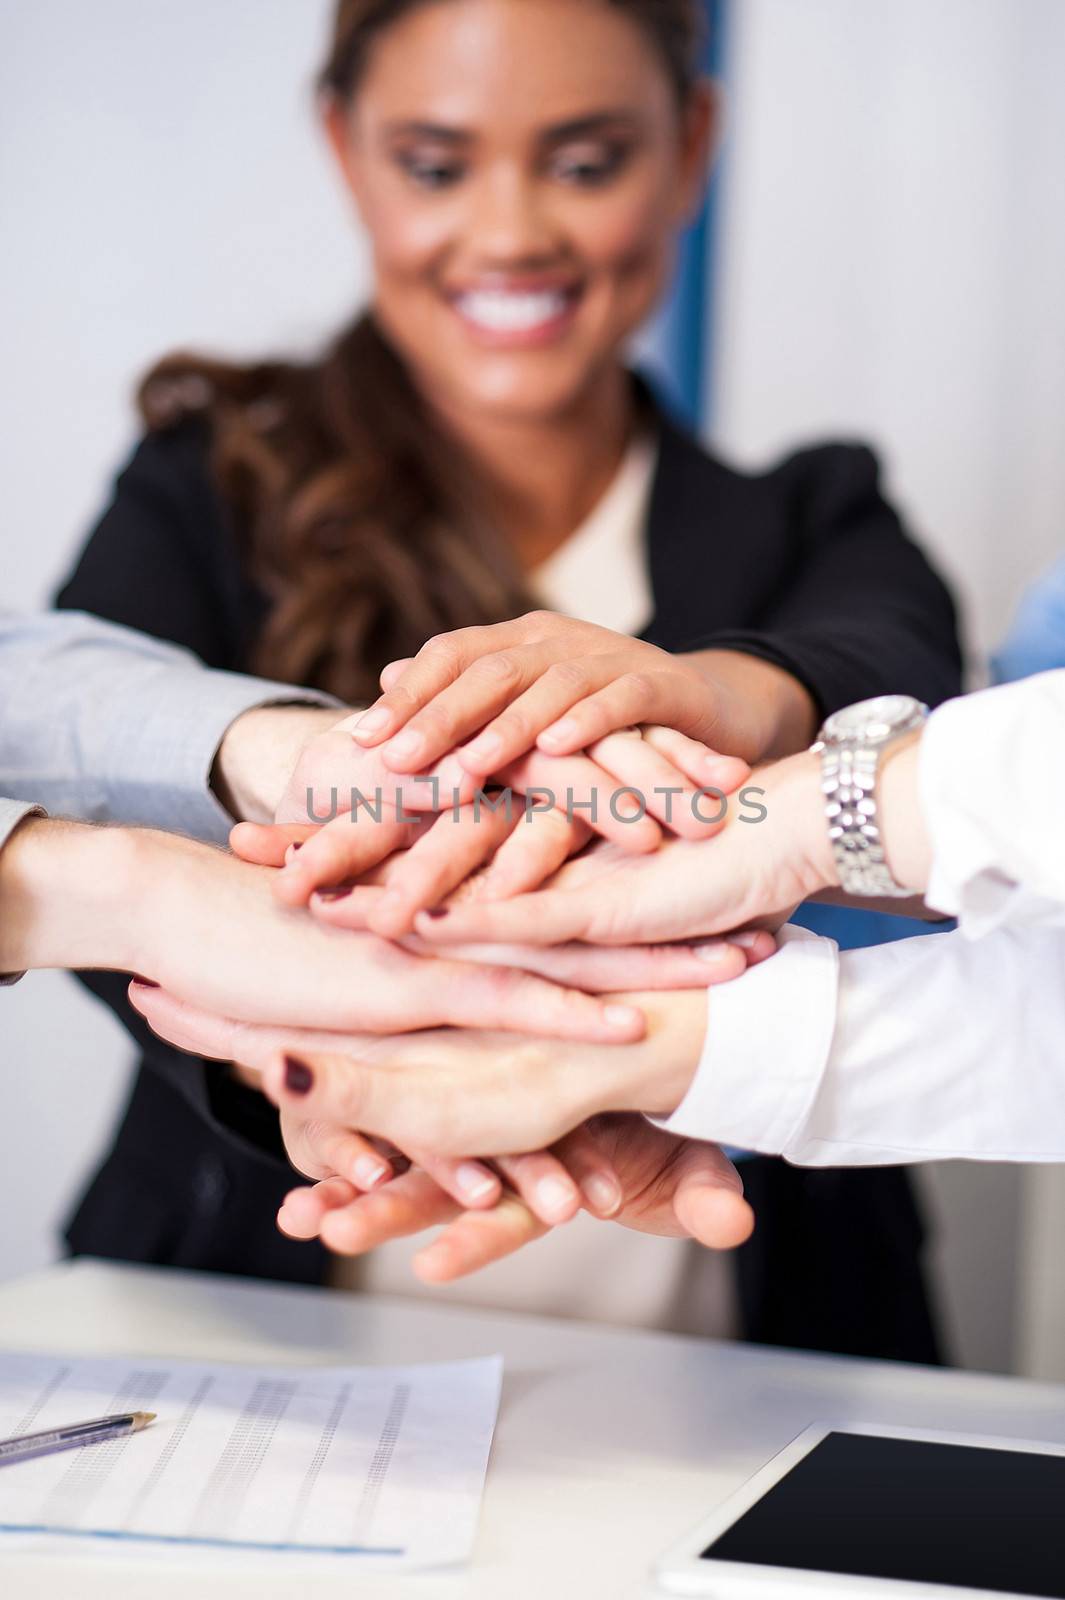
(207, 927)
(627, 788)
(624, 1168)
(758, 868)
(452, 1091)
(596, 969)
(355, 875)
(665, 1185)
(320, 1148)
(660, 765)
(397, 868)
(550, 681)
(621, 785)
(552, 1190)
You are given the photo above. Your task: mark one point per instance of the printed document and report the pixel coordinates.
(383, 1466)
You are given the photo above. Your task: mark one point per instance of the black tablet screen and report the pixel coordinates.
(910, 1509)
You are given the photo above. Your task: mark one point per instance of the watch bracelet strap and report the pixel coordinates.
(848, 779)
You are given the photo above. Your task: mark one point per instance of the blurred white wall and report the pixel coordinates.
(161, 183)
(894, 262)
(894, 248)
(894, 268)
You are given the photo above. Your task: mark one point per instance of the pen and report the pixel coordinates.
(26, 1445)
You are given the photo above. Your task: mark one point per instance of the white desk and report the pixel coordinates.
(609, 1445)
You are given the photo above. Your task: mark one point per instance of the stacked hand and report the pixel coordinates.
(443, 825)
(549, 682)
(402, 1132)
(678, 1188)
(403, 836)
(626, 1170)
(382, 863)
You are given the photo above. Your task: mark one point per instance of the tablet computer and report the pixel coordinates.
(881, 1512)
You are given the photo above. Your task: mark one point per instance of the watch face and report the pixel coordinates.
(873, 720)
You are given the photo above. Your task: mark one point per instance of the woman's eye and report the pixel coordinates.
(430, 172)
(588, 167)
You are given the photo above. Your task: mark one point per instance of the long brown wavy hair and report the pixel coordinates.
(361, 522)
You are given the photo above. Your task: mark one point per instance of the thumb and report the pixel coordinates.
(709, 1201)
(266, 844)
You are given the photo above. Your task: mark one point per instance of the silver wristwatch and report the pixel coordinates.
(853, 743)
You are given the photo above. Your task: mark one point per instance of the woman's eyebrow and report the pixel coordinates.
(583, 127)
(586, 127)
(438, 132)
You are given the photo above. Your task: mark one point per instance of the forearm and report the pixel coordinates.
(69, 897)
(778, 711)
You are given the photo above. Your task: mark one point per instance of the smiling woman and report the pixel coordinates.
(520, 238)
(475, 445)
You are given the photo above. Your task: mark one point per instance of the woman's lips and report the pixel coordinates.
(511, 317)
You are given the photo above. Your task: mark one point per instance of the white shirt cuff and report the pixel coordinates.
(992, 768)
(767, 1042)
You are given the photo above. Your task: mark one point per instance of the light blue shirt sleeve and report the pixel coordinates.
(105, 724)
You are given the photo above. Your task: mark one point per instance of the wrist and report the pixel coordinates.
(907, 844)
(795, 804)
(774, 713)
(67, 896)
(669, 1054)
(258, 754)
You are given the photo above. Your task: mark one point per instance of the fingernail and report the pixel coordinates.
(559, 731)
(299, 1079)
(602, 1192)
(712, 953)
(145, 983)
(367, 1172)
(336, 891)
(620, 1016)
(474, 1182)
(486, 747)
(406, 745)
(554, 1197)
(372, 721)
(747, 940)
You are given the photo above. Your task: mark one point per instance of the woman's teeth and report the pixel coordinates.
(506, 311)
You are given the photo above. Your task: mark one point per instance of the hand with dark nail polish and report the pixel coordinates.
(299, 1079)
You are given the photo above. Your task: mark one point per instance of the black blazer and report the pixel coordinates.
(806, 566)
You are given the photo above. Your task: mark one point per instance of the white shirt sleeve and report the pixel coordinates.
(948, 1045)
(992, 779)
(926, 1050)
